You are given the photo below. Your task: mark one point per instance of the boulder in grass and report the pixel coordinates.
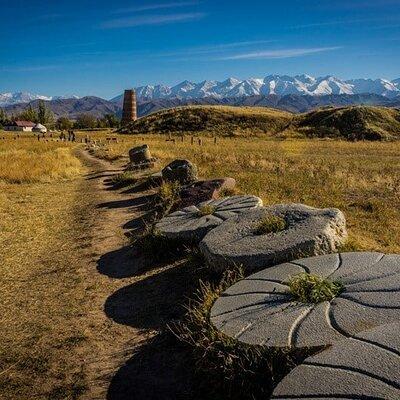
(140, 158)
(192, 223)
(201, 191)
(365, 366)
(182, 171)
(344, 294)
(271, 235)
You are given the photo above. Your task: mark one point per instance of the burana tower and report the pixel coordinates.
(129, 112)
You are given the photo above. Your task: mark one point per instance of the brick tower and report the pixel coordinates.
(129, 113)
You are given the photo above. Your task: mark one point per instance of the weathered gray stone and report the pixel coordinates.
(364, 366)
(182, 171)
(140, 154)
(140, 158)
(190, 225)
(260, 309)
(310, 231)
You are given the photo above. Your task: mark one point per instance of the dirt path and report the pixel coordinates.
(82, 315)
(127, 356)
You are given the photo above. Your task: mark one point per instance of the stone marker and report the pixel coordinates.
(201, 191)
(366, 366)
(260, 310)
(192, 223)
(182, 171)
(308, 231)
(140, 158)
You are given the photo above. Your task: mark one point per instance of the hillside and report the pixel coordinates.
(220, 120)
(71, 108)
(351, 123)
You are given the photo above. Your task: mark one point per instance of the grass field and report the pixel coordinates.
(44, 225)
(41, 289)
(362, 178)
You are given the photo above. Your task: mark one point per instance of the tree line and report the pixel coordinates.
(45, 116)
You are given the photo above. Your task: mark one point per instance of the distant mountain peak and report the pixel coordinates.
(282, 85)
(7, 99)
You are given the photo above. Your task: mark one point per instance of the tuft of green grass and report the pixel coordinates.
(169, 195)
(309, 288)
(206, 210)
(126, 178)
(270, 224)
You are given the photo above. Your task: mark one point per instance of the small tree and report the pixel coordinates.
(29, 114)
(63, 123)
(111, 120)
(3, 117)
(44, 115)
(85, 121)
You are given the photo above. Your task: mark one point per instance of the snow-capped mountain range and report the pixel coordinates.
(7, 99)
(272, 84)
(280, 85)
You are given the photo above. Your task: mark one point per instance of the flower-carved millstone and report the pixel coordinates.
(192, 223)
(309, 231)
(260, 310)
(365, 366)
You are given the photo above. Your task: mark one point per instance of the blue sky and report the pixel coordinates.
(88, 47)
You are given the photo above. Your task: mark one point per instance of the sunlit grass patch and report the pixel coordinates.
(168, 195)
(309, 288)
(33, 164)
(207, 209)
(270, 224)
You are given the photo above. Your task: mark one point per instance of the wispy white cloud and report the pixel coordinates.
(348, 22)
(156, 6)
(150, 20)
(283, 53)
(216, 48)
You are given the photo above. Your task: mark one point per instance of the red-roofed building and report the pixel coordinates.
(24, 126)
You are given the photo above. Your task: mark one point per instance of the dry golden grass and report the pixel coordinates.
(362, 178)
(26, 160)
(41, 289)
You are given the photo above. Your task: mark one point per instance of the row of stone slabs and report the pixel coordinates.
(226, 233)
(362, 323)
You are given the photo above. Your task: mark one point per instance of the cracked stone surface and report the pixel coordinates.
(310, 231)
(190, 226)
(259, 310)
(366, 366)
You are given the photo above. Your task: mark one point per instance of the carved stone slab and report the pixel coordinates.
(260, 310)
(366, 366)
(190, 225)
(309, 231)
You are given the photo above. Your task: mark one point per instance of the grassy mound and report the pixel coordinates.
(352, 123)
(218, 120)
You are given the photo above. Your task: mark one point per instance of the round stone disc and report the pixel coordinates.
(366, 366)
(309, 231)
(260, 310)
(190, 225)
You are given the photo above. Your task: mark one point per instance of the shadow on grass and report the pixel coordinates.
(163, 367)
(141, 203)
(156, 300)
(160, 369)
